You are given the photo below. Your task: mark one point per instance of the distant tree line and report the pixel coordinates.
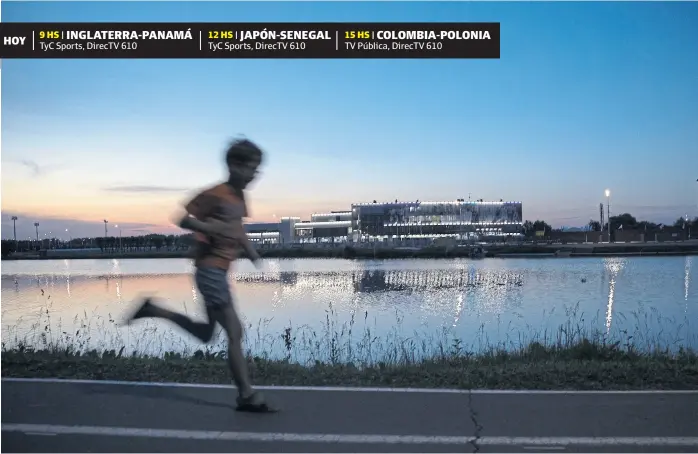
(626, 221)
(143, 243)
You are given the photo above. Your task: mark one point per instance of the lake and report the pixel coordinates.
(343, 309)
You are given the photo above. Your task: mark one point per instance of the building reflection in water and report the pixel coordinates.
(397, 280)
(370, 281)
(489, 289)
(288, 277)
(359, 281)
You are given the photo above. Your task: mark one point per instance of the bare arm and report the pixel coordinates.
(197, 215)
(201, 206)
(237, 213)
(209, 227)
(241, 236)
(230, 226)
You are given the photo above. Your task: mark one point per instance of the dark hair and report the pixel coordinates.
(242, 151)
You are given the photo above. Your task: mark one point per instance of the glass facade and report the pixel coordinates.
(419, 219)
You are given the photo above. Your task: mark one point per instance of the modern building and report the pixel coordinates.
(381, 222)
(281, 232)
(332, 227)
(456, 219)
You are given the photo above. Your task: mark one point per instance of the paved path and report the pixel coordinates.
(73, 416)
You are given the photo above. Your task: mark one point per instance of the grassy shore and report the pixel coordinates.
(573, 356)
(348, 252)
(582, 366)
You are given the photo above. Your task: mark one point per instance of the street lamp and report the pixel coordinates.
(14, 228)
(36, 227)
(696, 197)
(105, 228)
(687, 224)
(608, 212)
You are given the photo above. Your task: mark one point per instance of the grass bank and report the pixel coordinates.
(572, 356)
(583, 366)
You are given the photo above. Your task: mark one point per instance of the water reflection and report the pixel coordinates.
(687, 277)
(613, 267)
(459, 310)
(194, 294)
(118, 292)
(490, 299)
(376, 280)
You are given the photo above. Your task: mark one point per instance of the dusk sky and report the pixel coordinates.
(586, 96)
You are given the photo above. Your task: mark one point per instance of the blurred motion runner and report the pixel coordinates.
(215, 216)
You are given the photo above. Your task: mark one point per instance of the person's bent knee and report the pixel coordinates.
(226, 316)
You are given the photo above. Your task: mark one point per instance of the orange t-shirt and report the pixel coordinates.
(222, 203)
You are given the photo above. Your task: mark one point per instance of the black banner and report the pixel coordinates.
(249, 40)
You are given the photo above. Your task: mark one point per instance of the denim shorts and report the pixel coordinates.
(214, 287)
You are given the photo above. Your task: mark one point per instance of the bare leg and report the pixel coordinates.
(229, 320)
(237, 362)
(204, 331)
(213, 286)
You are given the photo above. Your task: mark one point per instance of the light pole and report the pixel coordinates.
(120, 248)
(36, 227)
(69, 236)
(14, 229)
(696, 198)
(687, 224)
(608, 212)
(105, 228)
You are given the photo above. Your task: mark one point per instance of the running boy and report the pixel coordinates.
(215, 215)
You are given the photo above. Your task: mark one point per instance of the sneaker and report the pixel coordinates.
(254, 403)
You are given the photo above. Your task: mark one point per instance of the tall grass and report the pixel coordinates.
(357, 341)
